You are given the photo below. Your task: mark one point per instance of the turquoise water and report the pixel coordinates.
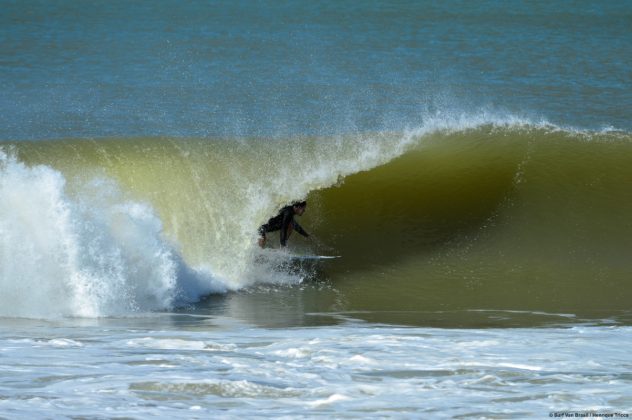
(469, 161)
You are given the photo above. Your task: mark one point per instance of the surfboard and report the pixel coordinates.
(313, 257)
(279, 257)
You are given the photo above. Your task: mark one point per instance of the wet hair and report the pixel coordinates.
(299, 203)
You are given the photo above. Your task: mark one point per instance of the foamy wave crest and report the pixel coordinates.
(94, 255)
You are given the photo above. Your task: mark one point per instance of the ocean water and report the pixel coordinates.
(470, 163)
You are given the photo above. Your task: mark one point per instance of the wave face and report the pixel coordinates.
(512, 218)
(475, 215)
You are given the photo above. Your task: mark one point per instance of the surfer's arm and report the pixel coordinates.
(299, 229)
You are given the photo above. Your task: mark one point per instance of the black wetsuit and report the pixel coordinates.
(282, 222)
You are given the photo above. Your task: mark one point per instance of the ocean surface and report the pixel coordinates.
(470, 163)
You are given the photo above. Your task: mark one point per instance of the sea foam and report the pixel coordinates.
(96, 254)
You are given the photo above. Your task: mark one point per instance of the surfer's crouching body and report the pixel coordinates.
(285, 223)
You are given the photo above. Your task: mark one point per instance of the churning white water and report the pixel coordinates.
(96, 254)
(184, 366)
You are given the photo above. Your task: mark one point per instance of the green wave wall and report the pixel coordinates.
(525, 218)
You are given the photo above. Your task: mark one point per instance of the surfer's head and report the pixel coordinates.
(299, 207)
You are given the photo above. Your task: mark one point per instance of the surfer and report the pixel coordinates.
(284, 222)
